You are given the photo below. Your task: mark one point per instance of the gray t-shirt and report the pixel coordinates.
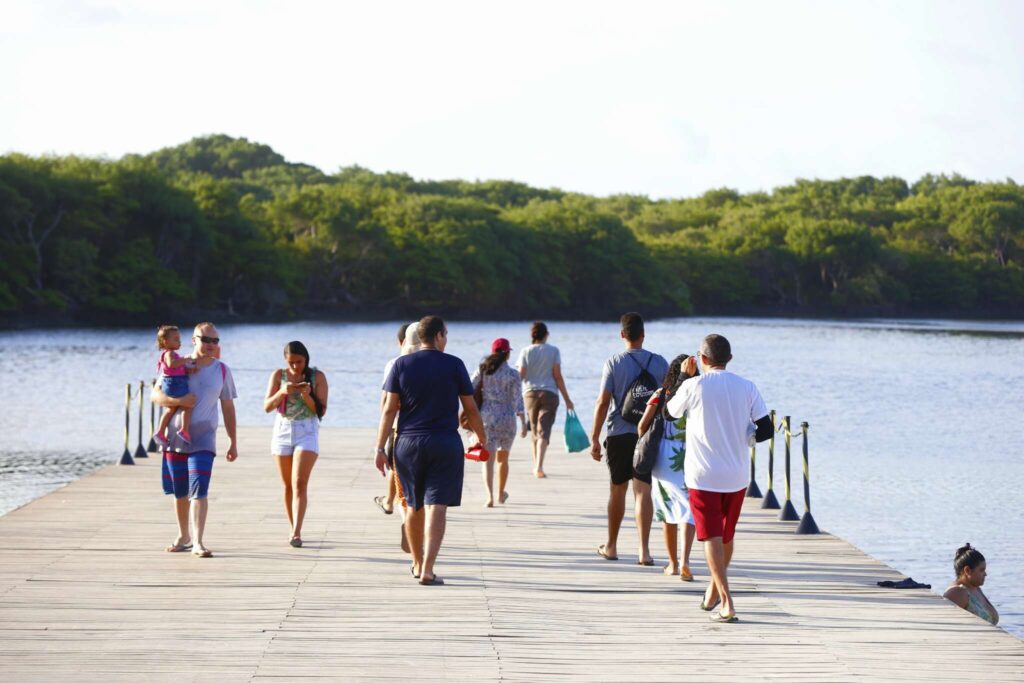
(539, 359)
(211, 385)
(619, 372)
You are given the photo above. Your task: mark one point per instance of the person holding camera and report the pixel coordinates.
(298, 393)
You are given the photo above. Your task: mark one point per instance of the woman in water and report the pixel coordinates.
(298, 393)
(969, 565)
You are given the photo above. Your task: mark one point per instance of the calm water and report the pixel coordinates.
(915, 427)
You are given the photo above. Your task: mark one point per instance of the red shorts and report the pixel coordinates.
(716, 513)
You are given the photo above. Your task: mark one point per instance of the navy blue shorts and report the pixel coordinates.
(430, 469)
(187, 474)
(175, 386)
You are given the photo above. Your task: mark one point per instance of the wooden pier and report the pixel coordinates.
(87, 592)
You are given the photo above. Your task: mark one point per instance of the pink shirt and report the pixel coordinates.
(167, 371)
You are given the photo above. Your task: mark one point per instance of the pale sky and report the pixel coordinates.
(662, 99)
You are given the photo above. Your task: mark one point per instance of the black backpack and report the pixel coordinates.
(638, 393)
(648, 447)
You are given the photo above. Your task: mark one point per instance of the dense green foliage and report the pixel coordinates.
(222, 224)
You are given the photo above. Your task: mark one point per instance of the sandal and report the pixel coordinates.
(205, 552)
(708, 608)
(379, 500)
(720, 618)
(433, 581)
(685, 575)
(178, 548)
(602, 553)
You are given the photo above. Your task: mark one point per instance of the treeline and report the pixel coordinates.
(226, 225)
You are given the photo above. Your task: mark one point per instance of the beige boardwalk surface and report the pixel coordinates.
(87, 593)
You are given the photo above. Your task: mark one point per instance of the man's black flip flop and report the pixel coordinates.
(435, 581)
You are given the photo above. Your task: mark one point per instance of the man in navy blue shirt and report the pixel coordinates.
(425, 390)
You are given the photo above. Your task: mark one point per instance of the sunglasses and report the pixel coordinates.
(210, 340)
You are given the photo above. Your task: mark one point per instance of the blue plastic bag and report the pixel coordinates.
(575, 436)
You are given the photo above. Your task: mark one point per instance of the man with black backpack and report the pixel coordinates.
(627, 382)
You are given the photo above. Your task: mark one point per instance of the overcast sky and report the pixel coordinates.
(663, 99)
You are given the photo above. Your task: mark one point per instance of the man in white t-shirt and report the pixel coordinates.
(723, 412)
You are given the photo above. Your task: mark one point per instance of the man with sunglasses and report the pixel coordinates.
(187, 465)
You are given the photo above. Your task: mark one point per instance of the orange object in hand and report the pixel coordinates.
(478, 453)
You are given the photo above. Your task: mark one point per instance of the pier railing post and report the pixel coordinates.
(126, 457)
(770, 501)
(152, 447)
(752, 490)
(807, 524)
(140, 450)
(788, 513)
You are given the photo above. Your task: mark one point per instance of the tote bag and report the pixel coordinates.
(575, 436)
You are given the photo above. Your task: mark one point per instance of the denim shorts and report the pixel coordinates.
(175, 386)
(292, 435)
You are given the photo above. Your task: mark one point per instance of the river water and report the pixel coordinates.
(914, 438)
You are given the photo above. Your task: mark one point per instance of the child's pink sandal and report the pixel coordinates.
(185, 436)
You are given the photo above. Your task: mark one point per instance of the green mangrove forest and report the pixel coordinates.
(227, 226)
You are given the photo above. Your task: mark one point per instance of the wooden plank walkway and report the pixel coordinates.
(87, 593)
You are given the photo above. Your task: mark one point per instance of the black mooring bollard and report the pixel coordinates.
(752, 490)
(140, 451)
(152, 447)
(126, 457)
(770, 501)
(788, 513)
(807, 523)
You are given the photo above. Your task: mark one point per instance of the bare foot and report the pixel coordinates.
(539, 474)
(671, 570)
(489, 504)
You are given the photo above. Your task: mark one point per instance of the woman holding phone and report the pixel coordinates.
(298, 393)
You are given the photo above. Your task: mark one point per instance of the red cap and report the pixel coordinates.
(500, 345)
